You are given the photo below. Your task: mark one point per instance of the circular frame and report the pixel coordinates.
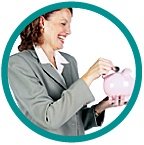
(132, 44)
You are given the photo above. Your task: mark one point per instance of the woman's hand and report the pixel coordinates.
(100, 67)
(109, 102)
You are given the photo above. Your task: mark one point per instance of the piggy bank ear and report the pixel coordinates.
(126, 72)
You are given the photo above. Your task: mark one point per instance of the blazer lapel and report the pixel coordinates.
(50, 71)
(67, 74)
(54, 74)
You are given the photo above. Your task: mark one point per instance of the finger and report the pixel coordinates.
(105, 64)
(121, 100)
(104, 69)
(125, 102)
(116, 101)
(113, 101)
(103, 72)
(113, 104)
(105, 60)
(102, 61)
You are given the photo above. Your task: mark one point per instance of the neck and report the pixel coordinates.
(49, 53)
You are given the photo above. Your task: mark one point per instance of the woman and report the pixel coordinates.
(45, 81)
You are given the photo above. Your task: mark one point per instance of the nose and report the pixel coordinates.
(68, 30)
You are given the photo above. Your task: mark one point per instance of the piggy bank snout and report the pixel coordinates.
(118, 84)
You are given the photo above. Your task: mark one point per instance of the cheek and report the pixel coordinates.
(57, 29)
(52, 33)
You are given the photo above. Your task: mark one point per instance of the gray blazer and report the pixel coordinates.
(54, 104)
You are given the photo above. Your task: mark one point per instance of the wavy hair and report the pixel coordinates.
(32, 34)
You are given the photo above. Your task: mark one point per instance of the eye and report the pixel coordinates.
(63, 24)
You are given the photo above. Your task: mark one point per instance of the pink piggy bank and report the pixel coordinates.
(119, 83)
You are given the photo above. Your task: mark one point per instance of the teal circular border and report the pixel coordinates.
(132, 44)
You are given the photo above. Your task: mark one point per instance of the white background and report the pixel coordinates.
(93, 36)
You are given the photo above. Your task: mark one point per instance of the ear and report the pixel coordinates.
(42, 20)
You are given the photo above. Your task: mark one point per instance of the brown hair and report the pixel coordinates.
(32, 34)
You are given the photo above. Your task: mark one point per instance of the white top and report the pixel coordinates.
(58, 58)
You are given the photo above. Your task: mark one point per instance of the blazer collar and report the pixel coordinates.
(60, 60)
(43, 58)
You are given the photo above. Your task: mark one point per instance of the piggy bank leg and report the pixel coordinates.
(118, 100)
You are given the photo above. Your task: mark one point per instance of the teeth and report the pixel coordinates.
(61, 37)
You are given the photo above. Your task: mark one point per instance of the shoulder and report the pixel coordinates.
(16, 57)
(22, 56)
(20, 59)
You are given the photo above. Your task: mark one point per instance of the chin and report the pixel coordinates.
(58, 48)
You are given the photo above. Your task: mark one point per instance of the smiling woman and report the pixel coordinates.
(45, 81)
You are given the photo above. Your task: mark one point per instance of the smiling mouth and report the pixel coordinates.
(62, 38)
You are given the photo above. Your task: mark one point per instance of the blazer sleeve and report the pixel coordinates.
(90, 119)
(33, 96)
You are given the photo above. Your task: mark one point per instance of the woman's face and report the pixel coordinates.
(57, 28)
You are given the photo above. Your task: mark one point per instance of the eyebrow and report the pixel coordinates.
(64, 19)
